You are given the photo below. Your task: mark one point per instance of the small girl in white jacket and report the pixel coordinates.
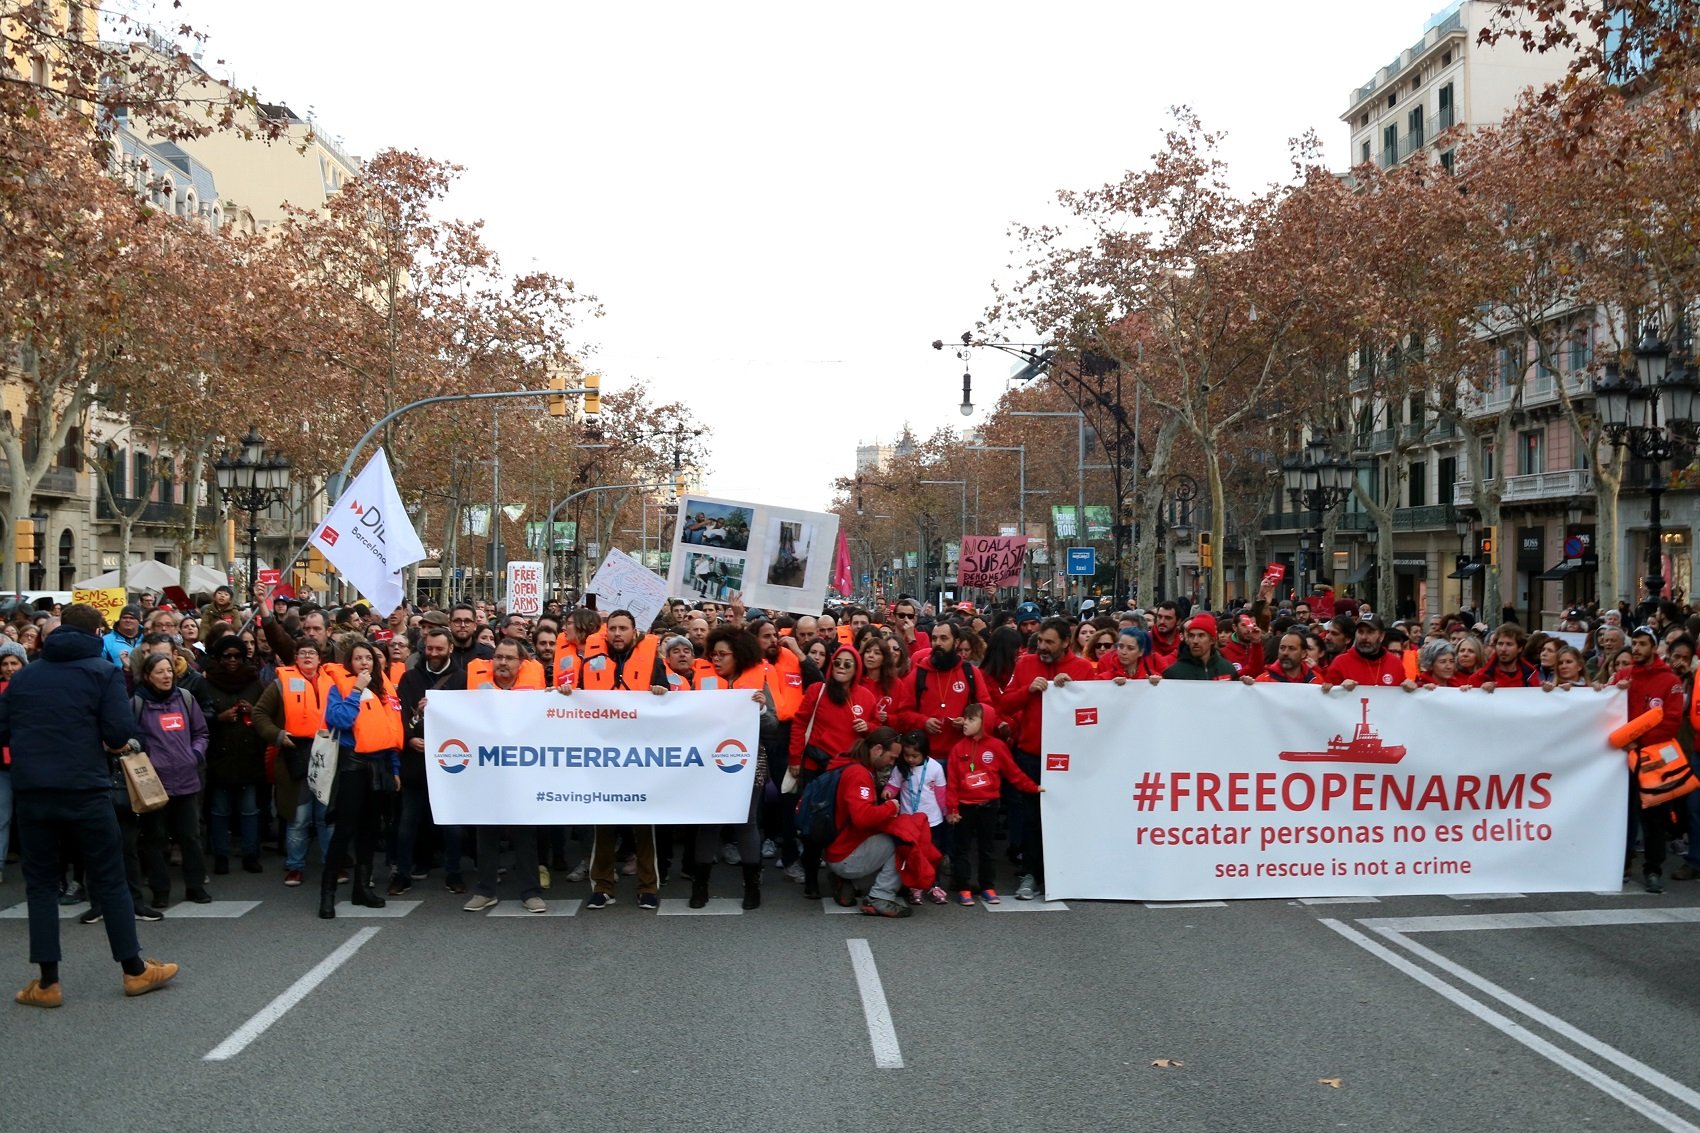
(918, 783)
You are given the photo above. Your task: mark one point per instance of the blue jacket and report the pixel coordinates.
(117, 648)
(61, 714)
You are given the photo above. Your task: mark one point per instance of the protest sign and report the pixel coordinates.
(1313, 794)
(109, 601)
(776, 558)
(268, 576)
(525, 588)
(991, 560)
(543, 759)
(623, 583)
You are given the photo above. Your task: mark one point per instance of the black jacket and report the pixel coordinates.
(59, 716)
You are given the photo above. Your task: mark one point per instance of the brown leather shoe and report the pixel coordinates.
(156, 975)
(37, 996)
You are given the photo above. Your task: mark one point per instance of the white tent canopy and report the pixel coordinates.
(155, 575)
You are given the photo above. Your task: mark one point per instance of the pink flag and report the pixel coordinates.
(843, 576)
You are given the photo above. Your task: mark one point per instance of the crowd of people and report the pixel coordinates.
(924, 724)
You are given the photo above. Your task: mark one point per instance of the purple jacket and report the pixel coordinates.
(174, 734)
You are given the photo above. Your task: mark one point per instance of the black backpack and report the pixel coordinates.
(817, 809)
(921, 682)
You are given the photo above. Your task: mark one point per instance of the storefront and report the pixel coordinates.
(1410, 584)
(1531, 564)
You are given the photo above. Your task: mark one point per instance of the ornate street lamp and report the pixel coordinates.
(251, 482)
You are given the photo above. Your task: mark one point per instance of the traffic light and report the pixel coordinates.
(558, 401)
(24, 536)
(681, 484)
(1206, 553)
(592, 394)
(1487, 549)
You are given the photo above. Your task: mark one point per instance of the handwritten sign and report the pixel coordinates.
(623, 583)
(991, 560)
(525, 588)
(108, 602)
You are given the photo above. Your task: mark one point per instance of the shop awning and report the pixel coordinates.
(1362, 572)
(1560, 570)
(1469, 570)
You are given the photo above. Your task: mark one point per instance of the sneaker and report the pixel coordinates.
(843, 893)
(1684, 872)
(730, 855)
(156, 975)
(419, 874)
(292, 878)
(73, 895)
(629, 867)
(34, 995)
(965, 897)
(875, 907)
(768, 849)
(913, 896)
(599, 901)
(199, 897)
(793, 872)
(1653, 883)
(148, 913)
(342, 877)
(649, 901)
(90, 916)
(580, 872)
(477, 903)
(399, 883)
(543, 878)
(1027, 888)
(991, 896)
(535, 905)
(937, 896)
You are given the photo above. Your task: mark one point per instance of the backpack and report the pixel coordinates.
(136, 703)
(817, 809)
(921, 682)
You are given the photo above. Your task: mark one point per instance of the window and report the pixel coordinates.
(167, 481)
(113, 458)
(1416, 81)
(1447, 472)
(1366, 151)
(142, 480)
(1531, 453)
(1414, 128)
(1446, 58)
(1581, 353)
(1444, 118)
(1510, 366)
(71, 453)
(1390, 144)
(1490, 465)
(1448, 160)
(1392, 99)
(1416, 489)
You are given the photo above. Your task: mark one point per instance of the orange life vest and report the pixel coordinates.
(303, 699)
(393, 674)
(846, 635)
(378, 726)
(596, 673)
(1662, 773)
(482, 674)
(567, 655)
(785, 684)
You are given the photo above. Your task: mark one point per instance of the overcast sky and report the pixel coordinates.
(782, 205)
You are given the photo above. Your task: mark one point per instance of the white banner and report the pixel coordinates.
(542, 759)
(623, 583)
(1190, 791)
(776, 558)
(369, 538)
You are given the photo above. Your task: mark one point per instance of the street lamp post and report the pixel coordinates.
(252, 481)
(1319, 482)
(1644, 417)
(1463, 524)
(962, 484)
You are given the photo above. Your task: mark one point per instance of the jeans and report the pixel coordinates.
(87, 817)
(310, 812)
(977, 828)
(876, 857)
(525, 860)
(413, 813)
(1033, 841)
(246, 797)
(180, 818)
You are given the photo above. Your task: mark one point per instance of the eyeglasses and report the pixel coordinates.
(722, 655)
(904, 616)
(844, 663)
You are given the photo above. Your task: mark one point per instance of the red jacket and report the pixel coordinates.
(861, 814)
(1524, 676)
(1274, 676)
(944, 696)
(1246, 659)
(1110, 667)
(1166, 651)
(917, 857)
(1386, 670)
(1654, 685)
(890, 703)
(827, 725)
(1025, 708)
(976, 770)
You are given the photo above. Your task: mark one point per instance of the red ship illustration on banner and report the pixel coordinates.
(1365, 746)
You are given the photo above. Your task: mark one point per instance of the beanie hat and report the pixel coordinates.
(13, 649)
(1205, 622)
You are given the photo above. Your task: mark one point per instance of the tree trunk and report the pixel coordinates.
(1148, 503)
(191, 523)
(1608, 482)
(1218, 523)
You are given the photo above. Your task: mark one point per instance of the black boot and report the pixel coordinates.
(363, 893)
(327, 904)
(752, 887)
(699, 886)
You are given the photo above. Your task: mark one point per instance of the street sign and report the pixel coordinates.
(1083, 560)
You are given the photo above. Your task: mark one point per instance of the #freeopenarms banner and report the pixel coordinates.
(495, 758)
(1191, 791)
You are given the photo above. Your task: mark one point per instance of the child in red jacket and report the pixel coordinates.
(978, 765)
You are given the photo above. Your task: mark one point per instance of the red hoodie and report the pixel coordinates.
(1385, 671)
(943, 697)
(1247, 659)
(860, 812)
(894, 701)
(976, 770)
(827, 725)
(1654, 685)
(1023, 707)
(1110, 667)
(1166, 651)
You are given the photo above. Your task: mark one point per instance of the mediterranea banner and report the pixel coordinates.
(1190, 791)
(495, 758)
(991, 560)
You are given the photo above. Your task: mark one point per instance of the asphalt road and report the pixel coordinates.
(1428, 1016)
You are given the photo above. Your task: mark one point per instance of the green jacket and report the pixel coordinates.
(1187, 668)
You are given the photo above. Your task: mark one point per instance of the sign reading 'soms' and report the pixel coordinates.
(537, 758)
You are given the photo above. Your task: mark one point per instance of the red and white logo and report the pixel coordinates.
(1387, 678)
(958, 687)
(171, 722)
(1056, 761)
(1085, 717)
(986, 757)
(328, 534)
(855, 710)
(867, 792)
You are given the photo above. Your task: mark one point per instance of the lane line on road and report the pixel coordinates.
(1339, 901)
(1008, 906)
(1514, 1030)
(716, 907)
(291, 995)
(217, 910)
(1552, 1022)
(1562, 918)
(1186, 904)
(392, 909)
(882, 1036)
(1485, 896)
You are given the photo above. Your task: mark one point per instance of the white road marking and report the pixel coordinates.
(216, 910)
(716, 907)
(1008, 906)
(1566, 918)
(1339, 901)
(882, 1036)
(518, 909)
(832, 906)
(1580, 1037)
(291, 995)
(21, 911)
(392, 908)
(1186, 904)
(1485, 896)
(1639, 1102)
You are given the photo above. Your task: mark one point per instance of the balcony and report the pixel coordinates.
(1542, 389)
(1537, 486)
(1422, 518)
(1310, 521)
(154, 513)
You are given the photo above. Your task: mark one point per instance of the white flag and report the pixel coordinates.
(368, 537)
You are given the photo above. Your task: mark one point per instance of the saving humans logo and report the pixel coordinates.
(731, 756)
(449, 751)
(1365, 746)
